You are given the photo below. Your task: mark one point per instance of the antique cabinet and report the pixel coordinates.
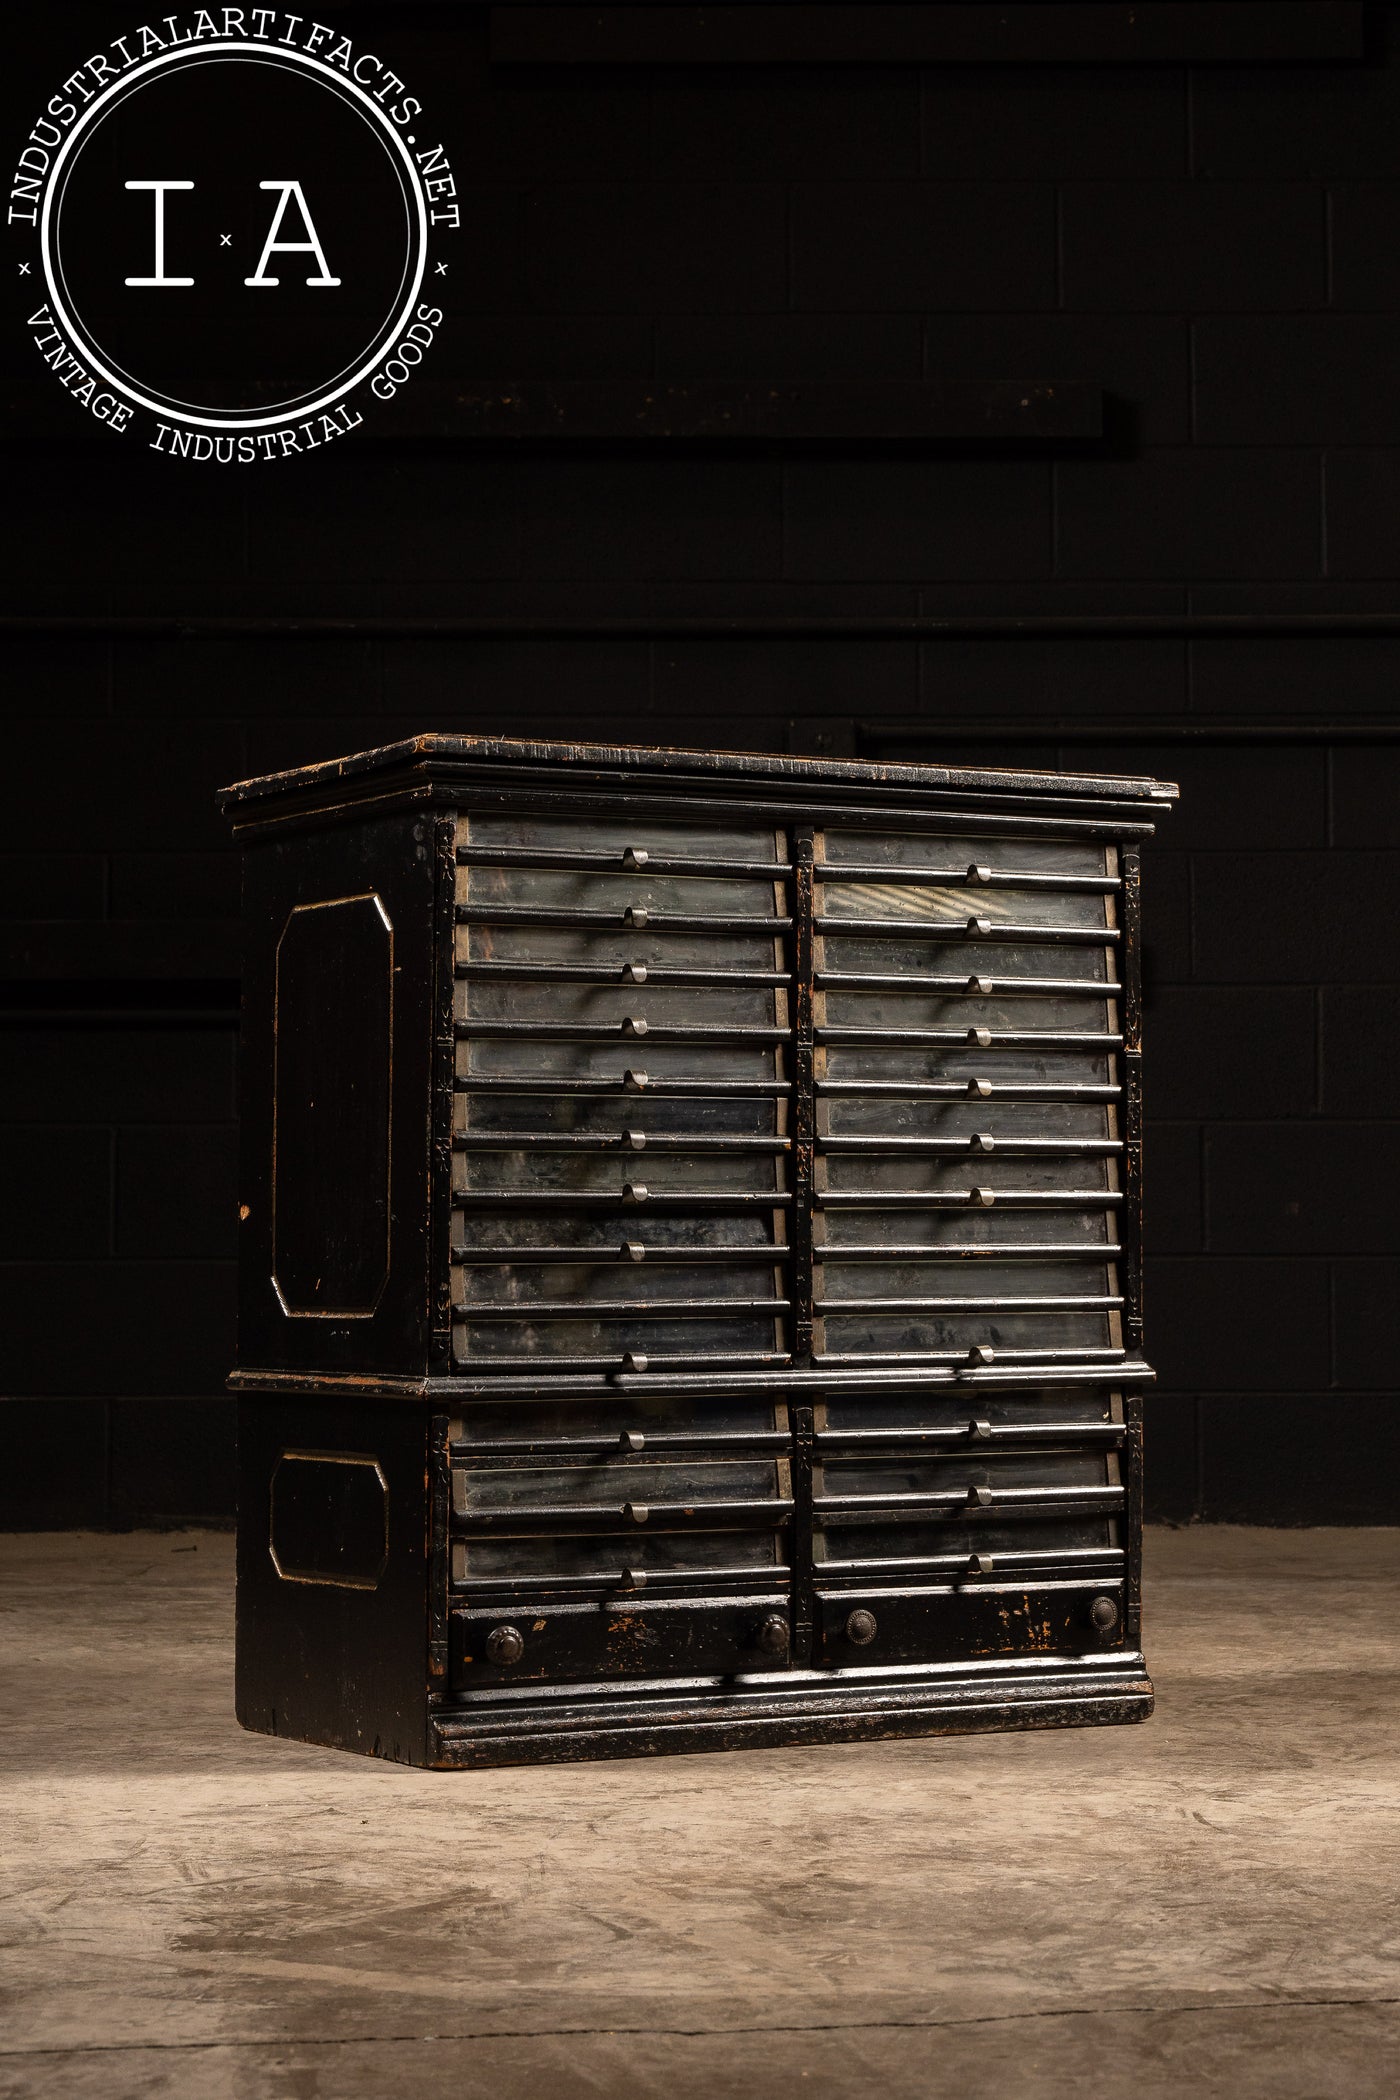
(691, 1272)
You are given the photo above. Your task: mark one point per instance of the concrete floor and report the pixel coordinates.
(1205, 1904)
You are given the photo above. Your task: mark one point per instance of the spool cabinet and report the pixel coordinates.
(691, 1267)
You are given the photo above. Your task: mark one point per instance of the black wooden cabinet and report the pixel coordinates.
(691, 1275)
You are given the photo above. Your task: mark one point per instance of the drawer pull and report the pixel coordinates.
(981, 1199)
(861, 1628)
(635, 1082)
(1103, 1614)
(982, 1037)
(631, 1440)
(978, 926)
(633, 1360)
(980, 1429)
(635, 856)
(982, 1141)
(981, 1564)
(636, 1141)
(979, 1498)
(504, 1645)
(635, 915)
(976, 874)
(979, 1089)
(635, 1512)
(634, 1025)
(633, 1250)
(773, 1635)
(979, 984)
(634, 973)
(634, 1192)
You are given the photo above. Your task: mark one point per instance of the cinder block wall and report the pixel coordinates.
(1216, 247)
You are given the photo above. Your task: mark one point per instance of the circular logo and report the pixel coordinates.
(233, 233)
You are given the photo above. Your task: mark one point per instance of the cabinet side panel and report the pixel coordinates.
(332, 1575)
(336, 1099)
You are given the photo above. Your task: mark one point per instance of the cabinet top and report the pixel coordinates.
(447, 765)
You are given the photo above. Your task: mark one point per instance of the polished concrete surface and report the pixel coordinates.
(1209, 1903)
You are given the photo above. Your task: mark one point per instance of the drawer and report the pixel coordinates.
(619, 1494)
(659, 1339)
(961, 1116)
(1001, 1422)
(968, 1232)
(968, 911)
(620, 1563)
(551, 888)
(599, 1430)
(620, 1637)
(872, 1627)
(617, 840)
(712, 1009)
(625, 1065)
(610, 948)
(967, 1005)
(979, 1176)
(997, 1484)
(1035, 863)
(618, 1110)
(621, 1014)
(608, 1166)
(983, 1063)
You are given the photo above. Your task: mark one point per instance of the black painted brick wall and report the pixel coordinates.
(1218, 249)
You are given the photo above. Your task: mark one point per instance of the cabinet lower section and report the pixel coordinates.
(366, 1621)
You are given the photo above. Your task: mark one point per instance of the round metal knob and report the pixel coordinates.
(773, 1635)
(1103, 1614)
(861, 1628)
(504, 1645)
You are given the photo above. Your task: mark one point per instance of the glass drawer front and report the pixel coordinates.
(998, 1171)
(914, 1413)
(961, 850)
(589, 890)
(610, 950)
(548, 1171)
(602, 1427)
(998, 1064)
(607, 1006)
(663, 1494)
(878, 1115)
(971, 1234)
(616, 834)
(874, 899)
(619, 1064)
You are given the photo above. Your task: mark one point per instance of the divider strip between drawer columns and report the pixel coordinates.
(800, 1230)
(1130, 1218)
(444, 1056)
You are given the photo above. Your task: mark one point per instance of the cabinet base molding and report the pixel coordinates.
(830, 1707)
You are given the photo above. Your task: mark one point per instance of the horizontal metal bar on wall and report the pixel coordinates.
(1150, 32)
(507, 417)
(550, 413)
(878, 627)
(906, 740)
